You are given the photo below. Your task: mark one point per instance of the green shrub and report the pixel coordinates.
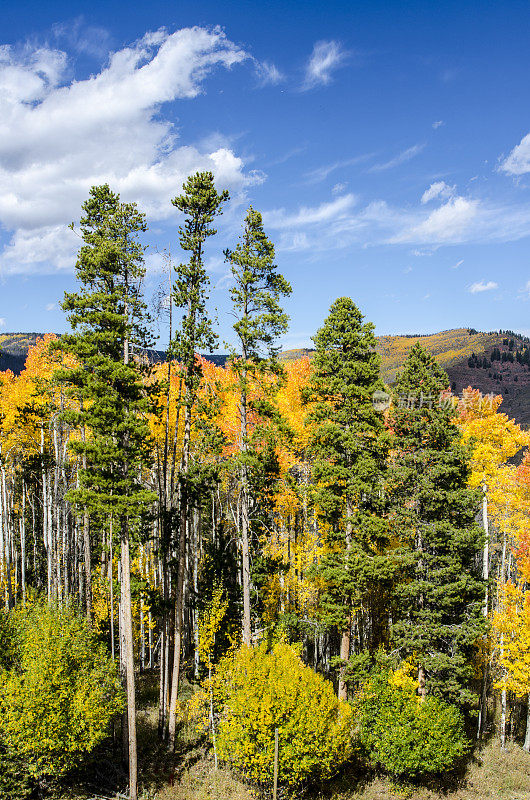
(59, 695)
(257, 691)
(407, 737)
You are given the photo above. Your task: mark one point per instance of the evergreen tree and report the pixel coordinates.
(257, 289)
(200, 203)
(439, 594)
(348, 445)
(109, 322)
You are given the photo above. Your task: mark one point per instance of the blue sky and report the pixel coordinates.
(387, 145)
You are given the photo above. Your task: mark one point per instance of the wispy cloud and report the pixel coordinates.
(483, 286)
(518, 162)
(51, 306)
(402, 158)
(321, 173)
(327, 56)
(83, 38)
(438, 189)
(306, 215)
(268, 73)
(437, 124)
(458, 264)
(447, 223)
(2, 322)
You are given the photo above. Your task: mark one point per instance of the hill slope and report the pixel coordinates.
(497, 362)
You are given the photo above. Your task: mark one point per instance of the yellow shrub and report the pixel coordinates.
(257, 691)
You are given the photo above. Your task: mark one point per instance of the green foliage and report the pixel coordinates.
(56, 702)
(109, 321)
(349, 445)
(438, 594)
(407, 737)
(257, 691)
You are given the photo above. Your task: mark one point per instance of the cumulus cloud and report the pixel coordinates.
(518, 162)
(401, 158)
(59, 137)
(2, 322)
(438, 189)
(483, 286)
(327, 56)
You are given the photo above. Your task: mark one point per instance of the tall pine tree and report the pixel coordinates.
(348, 446)
(260, 320)
(200, 203)
(110, 328)
(440, 594)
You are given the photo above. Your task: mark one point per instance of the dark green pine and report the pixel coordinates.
(348, 448)
(109, 328)
(439, 593)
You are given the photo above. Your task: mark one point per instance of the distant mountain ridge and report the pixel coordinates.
(497, 362)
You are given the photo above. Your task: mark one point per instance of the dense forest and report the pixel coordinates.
(317, 569)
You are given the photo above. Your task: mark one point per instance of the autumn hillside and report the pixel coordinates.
(492, 362)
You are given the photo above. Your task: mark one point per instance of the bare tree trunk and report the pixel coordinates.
(181, 575)
(245, 523)
(526, 745)
(482, 711)
(129, 659)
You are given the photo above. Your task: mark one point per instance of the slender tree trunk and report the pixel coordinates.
(345, 641)
(482, 711)
(129, 659)
(181, 575)
(526, 745)
(245, 523)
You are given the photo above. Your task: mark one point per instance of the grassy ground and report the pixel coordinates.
(492, 776)
(189, 774)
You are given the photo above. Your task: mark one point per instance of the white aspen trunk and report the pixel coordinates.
(526, 745)
(183, 533)
(129, 661)
(485, 575)
(245, 523)
(23, 544)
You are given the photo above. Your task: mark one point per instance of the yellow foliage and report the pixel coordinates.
(258, 691)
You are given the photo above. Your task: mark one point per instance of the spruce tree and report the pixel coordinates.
(200, 203)
(110, 329)
(260, 320)
(439, 594)
(348, 445)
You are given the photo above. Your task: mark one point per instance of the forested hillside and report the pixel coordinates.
(281, 565)
(495, 362)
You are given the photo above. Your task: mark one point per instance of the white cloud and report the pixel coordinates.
(321, 173)
(335, 210)
(445, 224)
(268, 74)
(518, 162)
(339, 188)
(458, 263)
(401, 158)
(482, 286)
(326, 57)
(2, 322)
(437, 124)
(59, 137)
(51, 307)
(438, 189)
